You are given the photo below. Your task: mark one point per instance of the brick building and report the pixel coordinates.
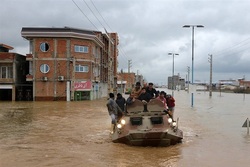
(12, 76)
(69, 63)
(126, 81)
(176, 82)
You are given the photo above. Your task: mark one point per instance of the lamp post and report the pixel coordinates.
(210, 60)
(192, 26)
(173, 72)
(188, 71)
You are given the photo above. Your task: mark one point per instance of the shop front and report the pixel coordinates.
(82, 90)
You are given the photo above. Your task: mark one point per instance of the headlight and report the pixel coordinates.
(174, 124)
(119, 126)
(123, 122)
(170, 120)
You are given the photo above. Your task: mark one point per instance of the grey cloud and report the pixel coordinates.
(148, 30)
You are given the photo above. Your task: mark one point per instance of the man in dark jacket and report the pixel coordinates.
(145, 96)
(152, 90)
(121, 103)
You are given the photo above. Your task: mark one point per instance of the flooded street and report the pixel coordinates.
(39, 134)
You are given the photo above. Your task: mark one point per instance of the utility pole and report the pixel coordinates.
(173, 84)
(178, 86)
(210, 60)
(122, 81)
(129, 66)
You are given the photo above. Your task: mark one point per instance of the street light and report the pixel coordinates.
(188, 71)
(173, 72)
(210, 60)
(189, 26)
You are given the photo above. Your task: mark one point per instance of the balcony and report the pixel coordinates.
(29, 57)
(29, 77)
(97, 79)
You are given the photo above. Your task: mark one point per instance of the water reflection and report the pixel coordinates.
(246, 138)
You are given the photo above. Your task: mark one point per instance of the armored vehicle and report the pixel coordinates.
(147, 125)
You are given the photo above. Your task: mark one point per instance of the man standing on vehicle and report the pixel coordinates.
(171, 105)
(113, 110)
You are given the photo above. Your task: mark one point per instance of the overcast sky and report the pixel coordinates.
(148, 30)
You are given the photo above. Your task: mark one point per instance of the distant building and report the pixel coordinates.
(228, 84)
(176, 82)
(244, 84)
(71, 64)
(13, 86)
(139, 78)
(127, 79)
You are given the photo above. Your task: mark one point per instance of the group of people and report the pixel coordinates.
(117, 107)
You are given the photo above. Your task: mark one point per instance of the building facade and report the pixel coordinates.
(126, 81)
(176, 82)
(69, 63)
(13, 86)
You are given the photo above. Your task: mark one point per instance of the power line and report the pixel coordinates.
(229, 49)
(100, 15)
(122, 51)
(85, 15)
(93, 14)
(122, 55)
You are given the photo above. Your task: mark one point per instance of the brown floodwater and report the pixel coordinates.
(76, 134)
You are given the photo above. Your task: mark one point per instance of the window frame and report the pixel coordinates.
(81, 49)
(43, 47)
(43, 68)
(81, 68)
(8, 72)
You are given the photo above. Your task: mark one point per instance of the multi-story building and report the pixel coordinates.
(126, 81)
(69, 63)
(139, 78)
(12, 76)
(175, 82)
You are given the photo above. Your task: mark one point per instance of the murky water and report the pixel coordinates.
(39, 134)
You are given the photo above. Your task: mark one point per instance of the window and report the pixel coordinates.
(44, 47)
(82, 49)
(96, 52)
(80, 68)
(30, 67)
(31, 46)
(6, 72)
(44, 68)
(96, 72)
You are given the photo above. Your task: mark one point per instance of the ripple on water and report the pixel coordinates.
(189, 134)
(99, 138)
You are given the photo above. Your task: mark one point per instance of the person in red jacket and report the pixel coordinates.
(171, 104)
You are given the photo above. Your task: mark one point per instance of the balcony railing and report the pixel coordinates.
(29, 77)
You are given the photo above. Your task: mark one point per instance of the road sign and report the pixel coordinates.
(245, 123)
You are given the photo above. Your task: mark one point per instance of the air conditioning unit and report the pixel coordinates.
(44, 78)
(60, 78)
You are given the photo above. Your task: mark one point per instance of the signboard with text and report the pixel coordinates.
(84, 85)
